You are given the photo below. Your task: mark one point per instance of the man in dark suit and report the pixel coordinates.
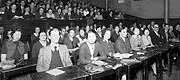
(122, 44)
(91, 50)
(21, 8)
(157, 36)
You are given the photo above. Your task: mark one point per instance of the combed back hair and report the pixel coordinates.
(120, 29)
(50, 9)
(71, 29)
(135, 28)
(42, 32)
(98, 27)
(40, 8)
(53, 30)
(92, 31)
(82, 29)
(105, 31)
(115, 27)
(145, 30)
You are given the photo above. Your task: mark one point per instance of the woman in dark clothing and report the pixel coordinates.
(99, 33)
(38, 45)
(27, 14)
(72, 44)
(12, 13)
(115, 34)
(40, 14)
(177, 32)
(15, 49)
(35, 36)
(107, 45)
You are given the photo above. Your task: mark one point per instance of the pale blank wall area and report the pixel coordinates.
(142, 8)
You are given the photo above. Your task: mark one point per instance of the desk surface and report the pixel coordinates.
(26, 67)
(71, 73)
(79, 72)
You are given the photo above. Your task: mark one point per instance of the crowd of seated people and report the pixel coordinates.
(83, 45)
(61, 10)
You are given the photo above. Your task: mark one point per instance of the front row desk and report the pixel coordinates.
(112, 67)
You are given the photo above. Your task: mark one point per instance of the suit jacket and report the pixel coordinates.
(34, 39)
(71, 44)
(121, 46)
(85, 55)
(177, 34)
(45, 55)
(20, 11)
(114, 36)
(108, 47)
(157, 40)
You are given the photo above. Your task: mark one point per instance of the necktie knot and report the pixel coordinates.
(55, 48)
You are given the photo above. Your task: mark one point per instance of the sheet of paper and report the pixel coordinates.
(55, 72)
(100, 63)
(118, 55)
(140, 53)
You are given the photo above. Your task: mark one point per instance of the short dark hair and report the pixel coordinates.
(122, 28)
(40, 8)
(52, 30)
(91, 31)
(13, 31)
(98, 27)
(105, 31)
(70, 30)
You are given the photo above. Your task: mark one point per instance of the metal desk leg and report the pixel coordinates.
(3, 77)
(145, 71)
(128, 73)
(159, 68)
(169, 63)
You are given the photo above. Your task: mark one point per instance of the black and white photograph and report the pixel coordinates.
(89, 40)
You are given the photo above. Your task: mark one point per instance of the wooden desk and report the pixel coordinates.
(71, 73)
(150, 56)
(107, 71)
(25, 67)
(78, 71)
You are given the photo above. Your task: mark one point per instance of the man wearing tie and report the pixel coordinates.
(157, 37)
(53, 55)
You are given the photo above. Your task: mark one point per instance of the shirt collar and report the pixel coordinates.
(53, 45)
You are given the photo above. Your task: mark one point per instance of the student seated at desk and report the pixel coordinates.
(177, 31)
(157, 37)
(91, 50)
(136, 40)
(38, 45)
(146, 39)
(14, 49)
(72, 44)
(107, 45)
(122, 44)
(53, 55)
(35, 36)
